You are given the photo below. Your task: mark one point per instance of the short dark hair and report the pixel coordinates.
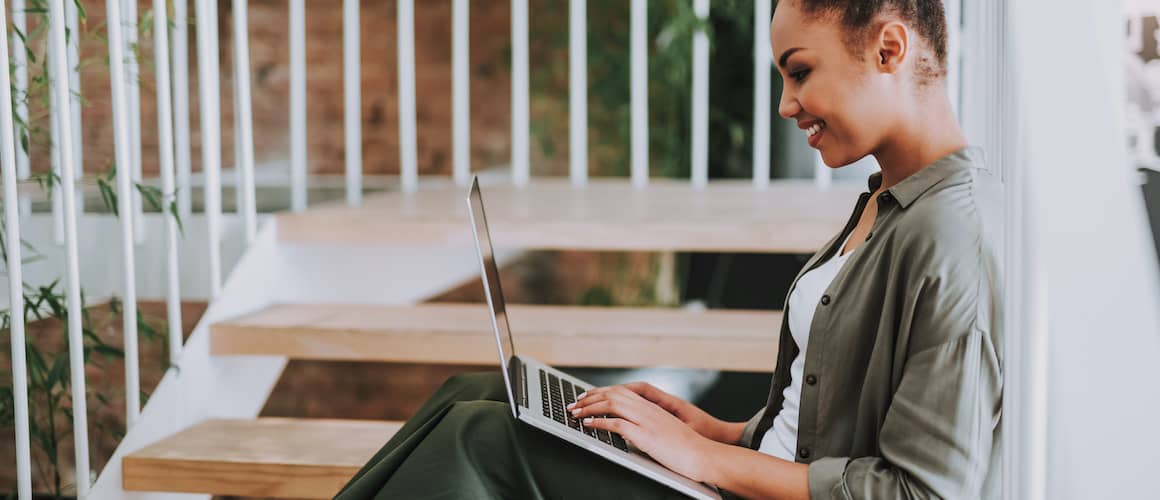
(858, 18)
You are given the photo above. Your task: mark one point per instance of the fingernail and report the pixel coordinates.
(570, 406)
(581, 396)
(575, 412)
(588, 420)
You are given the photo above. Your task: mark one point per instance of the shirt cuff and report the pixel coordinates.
(825, 476)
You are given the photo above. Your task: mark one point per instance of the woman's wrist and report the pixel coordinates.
(728, 432)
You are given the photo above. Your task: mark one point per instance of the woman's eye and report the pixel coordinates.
(799, 75)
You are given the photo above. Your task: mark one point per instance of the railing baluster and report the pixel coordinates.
(762, 61)
(521, 131)
(165, 154)
(407, 134)
(700, 142)
(58, 58)
(133, 93)
(352, 100)
(578, 91)
(211, 160)
(297, 105)
(181, 106)
(122, 144)
(461, 81)
(72, 17)
(54, 159)
(639, 93)
(10, 165)
(244, 120)
(20, 63)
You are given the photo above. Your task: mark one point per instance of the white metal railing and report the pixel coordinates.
(578, 91)
(405, 30)
(173, 112)
(461, 133)
(11, 164)
(297, 105)
(352, 104)
(639, 92)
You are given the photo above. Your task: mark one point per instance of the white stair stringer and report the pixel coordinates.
(201, 386)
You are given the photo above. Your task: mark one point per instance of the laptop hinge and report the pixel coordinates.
(519, 377)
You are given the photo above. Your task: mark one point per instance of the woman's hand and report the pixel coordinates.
(653, 429)
(696, 418)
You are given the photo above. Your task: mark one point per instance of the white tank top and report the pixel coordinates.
(781, 438)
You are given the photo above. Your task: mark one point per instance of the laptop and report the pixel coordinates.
(539, 393)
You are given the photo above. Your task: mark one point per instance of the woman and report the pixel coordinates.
(887, 382)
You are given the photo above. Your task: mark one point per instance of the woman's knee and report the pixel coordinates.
(487, 385)
(481, 426)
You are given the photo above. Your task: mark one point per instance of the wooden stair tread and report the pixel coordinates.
(790, 216)
(461, 334)
(266, 457)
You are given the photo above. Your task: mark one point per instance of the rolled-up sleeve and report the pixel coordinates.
(936, 437)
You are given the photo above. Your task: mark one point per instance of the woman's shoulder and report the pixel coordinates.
(967, 198)
(959, 215)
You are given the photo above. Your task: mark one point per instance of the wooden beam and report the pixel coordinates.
(462, 334)
(267, 457)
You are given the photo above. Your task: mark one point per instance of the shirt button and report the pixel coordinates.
(804, 452)
(825, 300)
(811, 380)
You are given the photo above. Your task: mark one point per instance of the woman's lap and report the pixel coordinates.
(465, 443)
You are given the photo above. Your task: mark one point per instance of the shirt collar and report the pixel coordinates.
(912, 187)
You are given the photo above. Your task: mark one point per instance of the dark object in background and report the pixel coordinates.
(1151, 189)
(740, 281)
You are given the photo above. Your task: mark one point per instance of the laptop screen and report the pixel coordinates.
(507, 348)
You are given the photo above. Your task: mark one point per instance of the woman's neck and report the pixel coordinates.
(928, 131)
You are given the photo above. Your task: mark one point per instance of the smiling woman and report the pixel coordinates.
(887, 382)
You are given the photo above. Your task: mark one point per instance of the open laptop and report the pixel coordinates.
(539, 393)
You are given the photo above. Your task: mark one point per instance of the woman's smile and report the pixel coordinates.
(814, 133)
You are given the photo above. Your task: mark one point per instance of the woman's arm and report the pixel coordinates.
(751, 474)
(696, 418)
(670, 441)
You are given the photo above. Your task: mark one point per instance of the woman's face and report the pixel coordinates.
(840, 101)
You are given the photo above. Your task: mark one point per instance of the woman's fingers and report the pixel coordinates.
(616, 403)
(650, 392)
(626, 429)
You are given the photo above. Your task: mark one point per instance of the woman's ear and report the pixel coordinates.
(893, 46)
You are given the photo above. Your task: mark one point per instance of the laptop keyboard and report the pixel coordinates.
(556, 395)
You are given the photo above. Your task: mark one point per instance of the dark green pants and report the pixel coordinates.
(465, 443)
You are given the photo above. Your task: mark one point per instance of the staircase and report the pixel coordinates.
(347, 283)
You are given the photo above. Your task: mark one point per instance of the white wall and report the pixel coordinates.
(100, 255)
(1103, 316)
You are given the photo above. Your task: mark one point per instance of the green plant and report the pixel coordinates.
(50, 396)
(671, 26)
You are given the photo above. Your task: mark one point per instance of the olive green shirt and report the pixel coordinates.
(903, 374)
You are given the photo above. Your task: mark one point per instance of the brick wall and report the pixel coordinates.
(269, 56)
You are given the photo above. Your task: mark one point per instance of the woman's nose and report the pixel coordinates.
(787, 106)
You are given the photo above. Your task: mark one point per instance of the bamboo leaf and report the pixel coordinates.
(177, 217)
(56, 376)
(145, 328)
(152, 195)
(109, 350)
(108, 196)
(37, 368)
